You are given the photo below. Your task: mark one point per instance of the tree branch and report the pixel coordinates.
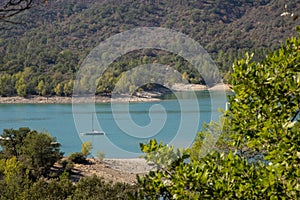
(10, 8)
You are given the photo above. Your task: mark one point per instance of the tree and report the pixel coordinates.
(41, 88)
(36, 151)
(58, 89)
(15, 184)
(12, 141)
(39, 152)
(7, 85)
(68, 88)
(205, 138)
(266, 97)
(59, 188)
(95, 188)
(86, 148)
(263, 119)
(21, 87)
(264, 110)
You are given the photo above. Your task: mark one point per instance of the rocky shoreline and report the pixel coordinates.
(114, 170)
(69, 100)
(141, 97)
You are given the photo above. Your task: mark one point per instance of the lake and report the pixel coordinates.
(174, 120)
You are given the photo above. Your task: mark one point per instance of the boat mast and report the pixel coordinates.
(92, 122)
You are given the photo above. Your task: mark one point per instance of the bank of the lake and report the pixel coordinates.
(114, 170)
(142, 97)
(66, 100)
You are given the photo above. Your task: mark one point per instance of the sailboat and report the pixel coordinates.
(93, 132)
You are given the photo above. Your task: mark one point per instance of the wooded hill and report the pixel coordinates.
(41, 52)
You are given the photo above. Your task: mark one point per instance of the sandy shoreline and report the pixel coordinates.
(67, 100)
(106, 99)
(130, 165)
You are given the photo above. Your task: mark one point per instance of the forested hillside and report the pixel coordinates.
(41, 52)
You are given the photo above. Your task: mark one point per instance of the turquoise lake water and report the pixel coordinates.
(173, 121)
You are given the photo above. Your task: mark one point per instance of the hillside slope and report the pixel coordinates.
(42, 55)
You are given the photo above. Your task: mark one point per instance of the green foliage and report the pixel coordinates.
(21, 87)
(95, 188)
(161, 155)
(100, 155)
(67, 165)
(17, 186)
(40, 151)
(24, 171)
(68, 88)
(217, 175)
(81, 157)
(7, 85)
(77, 157)
(86, 148)
(59, 89)
(259, 122)
(36, 151)
(213, 136)
(12, 168)
(15, 183)
(267, 98)
(41, 88)
(13, 141)
(53, 189)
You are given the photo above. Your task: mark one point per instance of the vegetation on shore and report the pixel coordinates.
(41, 55)
(27, 161)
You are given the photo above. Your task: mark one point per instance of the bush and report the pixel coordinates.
(53, 189)
(86, 148)
(67, 165)
(100, 155)
(95, 188)
(78, 158)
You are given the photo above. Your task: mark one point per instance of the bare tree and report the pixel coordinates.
(9, 8)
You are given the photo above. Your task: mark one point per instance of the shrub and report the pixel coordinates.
(100, 155)
(95, 188)
(78, 158)
(86, 148)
